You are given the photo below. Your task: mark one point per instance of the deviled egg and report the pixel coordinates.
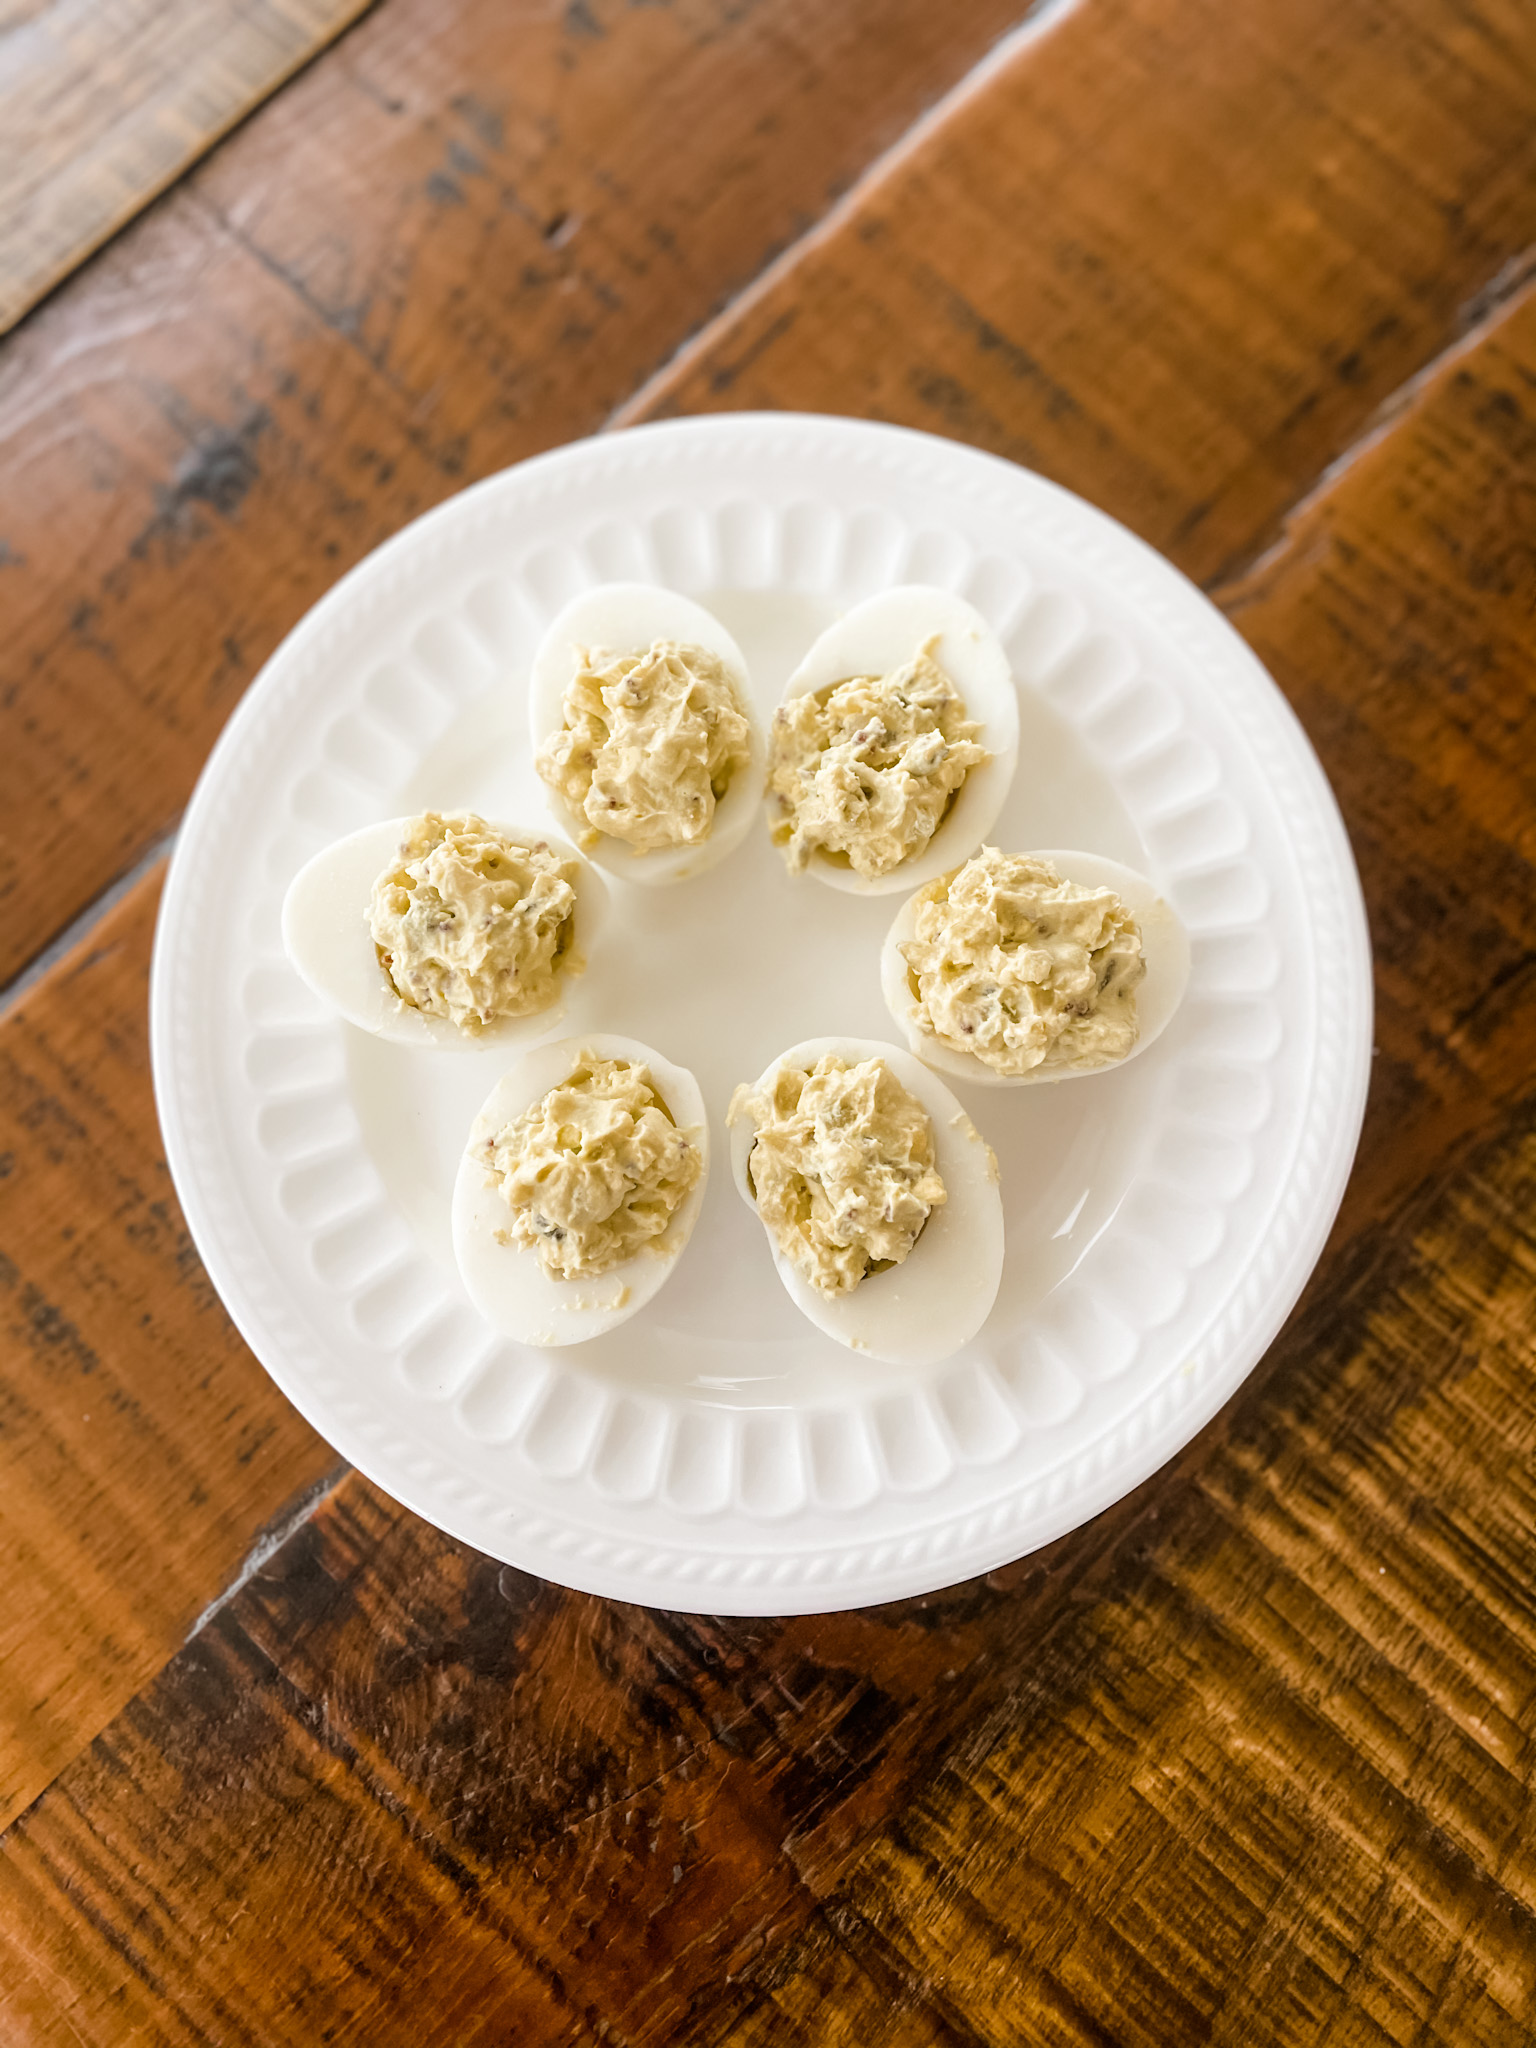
(579, 1187)
(644, 731)
(1034, 967)
(442, 930)
(878, 1195)
(893, 747)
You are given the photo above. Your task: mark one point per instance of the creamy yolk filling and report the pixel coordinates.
(842, 1167)
(1022, 969)
(594, 1171)
(469, 925)
(649, 744)
(864, 770)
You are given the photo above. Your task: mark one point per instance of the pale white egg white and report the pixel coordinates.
(506, 1282)
(884, 632)
(328, 941)
(625, 618)
(925, 1309)
(1165, 948)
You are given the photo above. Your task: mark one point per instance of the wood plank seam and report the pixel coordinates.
(270, 1540)
(17, 307)
(1486, 310)
(1039, 17)
(1038, 21)
(1506, 284)
(79, 929)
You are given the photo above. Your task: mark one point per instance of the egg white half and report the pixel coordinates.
(925, 1309)
(625, 618)
(882, 634)
(326, 935)
(506, 1282)
(1164, 945)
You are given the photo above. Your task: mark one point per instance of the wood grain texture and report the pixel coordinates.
(435, 253)
(1276, 1783)
(1398, 618)
(180, 1450)
(462, 237)
(1278, 1787)
(649, 1769)
(1247, 1760)
(103, 103)
(1262, 1774)
(141, 1446)
(1173, 257)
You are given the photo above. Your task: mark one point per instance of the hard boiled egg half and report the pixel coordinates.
(882, 634)
(328, 939)
(628, 618)
(924, 1309)
(506, 1281)
(1165, 952)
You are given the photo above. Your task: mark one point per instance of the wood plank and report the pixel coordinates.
(1172, 257)
(1249, 1759)
(648, 1766)
(103, 103)
(1282, 1752)
(1276, 1785)
(449, 244)
(1397, 619)
(141, 1446)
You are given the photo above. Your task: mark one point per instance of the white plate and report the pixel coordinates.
(717, 1453)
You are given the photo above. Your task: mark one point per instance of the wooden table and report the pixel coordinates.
(1247, 1760)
